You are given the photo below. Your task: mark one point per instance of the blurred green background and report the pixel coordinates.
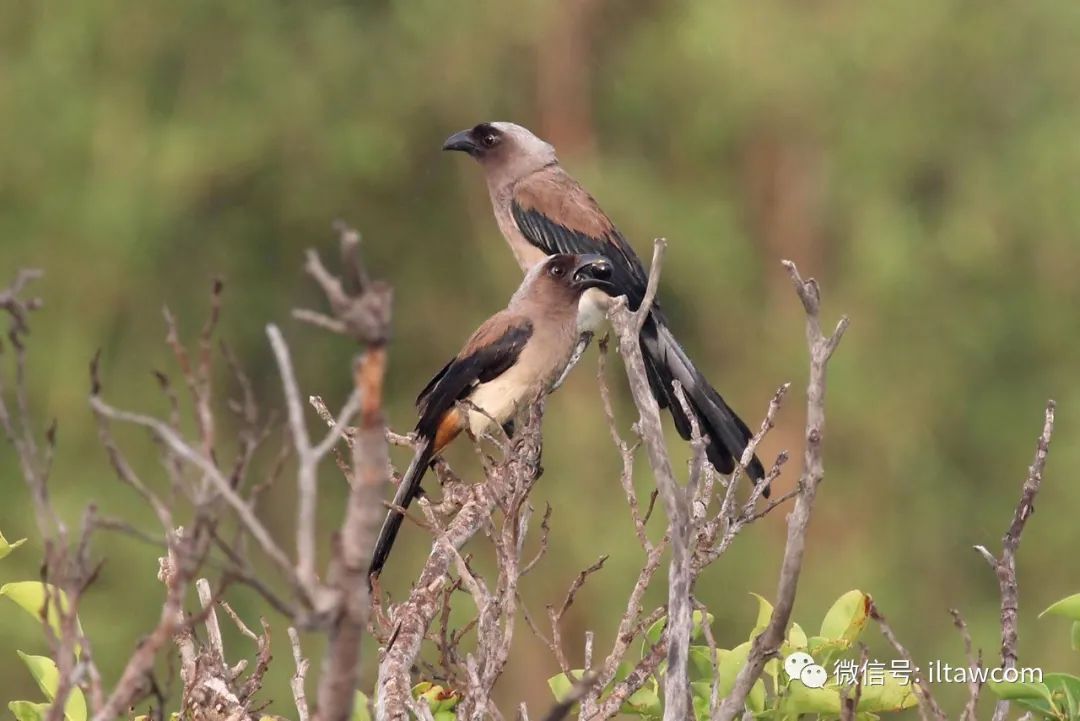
(919, 157)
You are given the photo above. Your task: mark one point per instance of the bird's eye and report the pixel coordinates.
(556, 270)
(489, 140)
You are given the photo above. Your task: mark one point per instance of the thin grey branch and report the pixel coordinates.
(767, 643)
(1005, 565)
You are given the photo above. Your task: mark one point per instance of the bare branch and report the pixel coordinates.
(928, 707)
(655, 266)
(676, 502)
(298, 679)
(849, 704)
(178, 446)
(577, 584)
(363, 511)
(18, 309)
(308, 457)
(633, 681)
(767, 643)
(213, 630)
(974, 663)
(132, 681)
(1005, 565)
(364, 316)
(506, 481)
(562, 709)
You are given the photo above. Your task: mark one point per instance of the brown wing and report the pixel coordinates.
(557, 215)
(489, 352)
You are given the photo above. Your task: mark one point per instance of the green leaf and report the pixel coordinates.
(445, 716)
(847, 617)
(6, 548)
(703, 689)
(47, 675)
(825, 649)
(755, 700)
(31, 596)
(697, 630)
(1076, 636)
(797, 637)
(437, 697)
(729, 664)
(887, 694)
(1041, 707)
(1011, 691)
(764, 614)
(700, 702)
(1033, 696)
(1069, 607)
(1065, 691)
(561, 685)
(800, 699)
(644, 702)
(361, 710)
(652, 636)
(447, 700)
(701, 666)
(29, 711)
(702, 694)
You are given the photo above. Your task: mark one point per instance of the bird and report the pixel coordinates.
(513, 356)
(541, 210)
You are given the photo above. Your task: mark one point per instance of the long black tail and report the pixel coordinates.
(665, 361)
(407, 490)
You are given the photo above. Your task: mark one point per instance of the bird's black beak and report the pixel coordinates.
(462, 141)
(593, 271)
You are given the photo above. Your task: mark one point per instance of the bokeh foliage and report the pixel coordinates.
(920, 157)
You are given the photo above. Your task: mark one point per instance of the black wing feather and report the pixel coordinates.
(460, 375)
(628, 275)
(421, 398)
(484, 363)
(664, 359)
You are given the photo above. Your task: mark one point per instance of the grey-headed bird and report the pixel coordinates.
(515, 355)
(542, 210)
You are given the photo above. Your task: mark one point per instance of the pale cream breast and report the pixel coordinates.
(540, 364)
(592, 310)
(502, 398)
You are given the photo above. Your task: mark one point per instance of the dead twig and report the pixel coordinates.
(821, 348)
(928, 706)
(299, 678)
(1005, 565)
(676, 501)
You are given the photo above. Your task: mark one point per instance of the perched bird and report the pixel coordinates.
(512, 357)
(542, 210)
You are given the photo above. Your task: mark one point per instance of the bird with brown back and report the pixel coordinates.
(514, 356)
(542, 210)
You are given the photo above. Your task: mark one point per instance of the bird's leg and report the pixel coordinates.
(579, 350)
